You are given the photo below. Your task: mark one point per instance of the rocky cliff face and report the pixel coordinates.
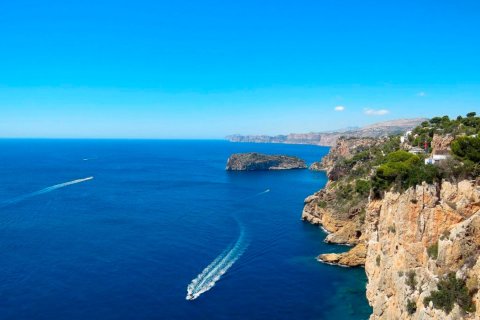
(441, 144)
(408, 241)
(257, 161)
(414, 239)
(344, 149)
(339, 211)
(343, 222)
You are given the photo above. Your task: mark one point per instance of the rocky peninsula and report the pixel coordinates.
(413, 225)
(256, 161)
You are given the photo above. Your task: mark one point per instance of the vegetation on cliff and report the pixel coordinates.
(362, 169)
(461, 126)
(451, 290)
(385, 163)
(352, 177)
(401, 169)
(408, 209)
(467, 149)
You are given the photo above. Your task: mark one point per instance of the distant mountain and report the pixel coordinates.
(329, 138)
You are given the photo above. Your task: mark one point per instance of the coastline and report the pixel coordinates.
(418, 242)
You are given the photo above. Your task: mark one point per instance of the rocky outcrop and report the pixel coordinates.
(316, 166)
(257, 161)
(408, 241)
(415, 238)
(419, 242)
(345, 149)
(352, 258)
(343, 217)
(343, 222)
(441, 144)
(330, 138)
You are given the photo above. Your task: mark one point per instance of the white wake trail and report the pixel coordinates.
(46, 190)
(218, 267)
(263, 192)
(215, 270)
(256, 195)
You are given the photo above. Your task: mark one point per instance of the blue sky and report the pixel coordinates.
(205, 69)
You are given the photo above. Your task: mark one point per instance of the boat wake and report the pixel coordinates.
(45, 190)
(256, 195)
(218, 267)
(215, 270)
(263, 192)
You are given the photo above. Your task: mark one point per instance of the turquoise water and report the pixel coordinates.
(127, 243)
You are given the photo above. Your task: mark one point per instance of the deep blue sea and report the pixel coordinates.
(127, 243)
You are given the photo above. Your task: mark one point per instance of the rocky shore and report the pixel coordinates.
(257, 161)
(419, 243)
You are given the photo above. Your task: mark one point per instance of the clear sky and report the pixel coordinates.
(205, 69)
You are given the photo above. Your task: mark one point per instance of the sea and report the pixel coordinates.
(129, 229)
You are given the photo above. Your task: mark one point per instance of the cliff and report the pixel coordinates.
(342, 219)
(413, 225)
(421, 234)
(345, 148)
(329, 138)
(257, 161)
(340, 207)
(413, 240)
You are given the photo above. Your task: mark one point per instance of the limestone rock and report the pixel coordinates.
(343, 223)
(345, 149)
(353, 258)
(316, 166)
(400, 230)
(441, 143)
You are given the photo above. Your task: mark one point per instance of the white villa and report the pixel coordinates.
(405, 136)
(436, 158)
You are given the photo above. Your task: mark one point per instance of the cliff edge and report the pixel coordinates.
(414, 240)
(410, 207)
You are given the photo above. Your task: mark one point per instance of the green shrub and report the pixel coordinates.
(433, 251)
(451, 290)
(403, 170)
(362, 215)
(378, 260)
(322, 204)
(411, 307)
(471, 169)
(344, 191)
(362, 187)
(411, 280)
(361, 156)
(455, 170)
(467, 148)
